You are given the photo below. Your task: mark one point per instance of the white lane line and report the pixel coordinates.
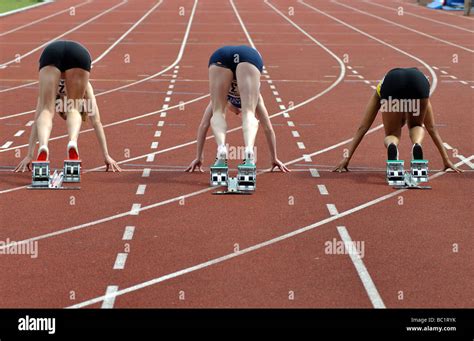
(167, 99)
(169, 93)
(282, 107)
(161, 123)
(19, 133)
(286, 115)
(447, 146)
(109, 298)
(269, 81)
(252, 248)
(120, 261)
(44, 18)
(360, 77)
(146, 172)
(173, 80)
(364, 275)
(349, 67)
(127, 32)
(128, 233)
(323, 190)
(443, 72)
(404, 27)
(275, 93)
(295, 133)
(163, 114)
(367, 82)
(278, 99)
(332, 209)
(273, 87)
(165, 106)
(6, 144)
(290, 123)
(421, 16)
(314, 172)
(171, 86)
(463, 82)
(301, 145)
(21, 57)
(141, 190)
(135, 210)
(354, 72)
(307, 158)
(150, 158)
(29, 123)
(154, 145)
(465, 160)
(176, 67)
(158, 133)
(433, 74)
(453, 77)
(175, 76)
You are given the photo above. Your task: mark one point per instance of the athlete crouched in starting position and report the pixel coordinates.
(237, 68)
(64, 74)
(402, 97)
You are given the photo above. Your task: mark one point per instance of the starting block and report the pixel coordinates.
(419, 170)
(72, 171)
(219, 173)
(395, 172)
(399, 179)
(232, 188)
(247, 176)
(40, 176)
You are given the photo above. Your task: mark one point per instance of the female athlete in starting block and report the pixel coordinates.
(235, 70)
(262, 115)
(63, 86)
(402, 97)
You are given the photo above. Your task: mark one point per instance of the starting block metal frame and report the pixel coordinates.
(244, 183)
(401, 179)
(43, 180)
(72, 171)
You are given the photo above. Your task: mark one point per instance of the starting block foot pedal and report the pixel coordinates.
(40, 176)
(247, 176)
(72, 171)
(219, 173)
(419, 170)
(395, 172)
(232, 188)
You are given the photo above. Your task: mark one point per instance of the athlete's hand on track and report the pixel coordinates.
(342, 167)
(111, 163)
(195, 165)
(24, 165)
(449, 165)
(278, 164)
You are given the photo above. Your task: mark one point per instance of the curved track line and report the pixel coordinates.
(255, 247)
(123, 2)
(44, 18)
(420, 16)
(176, 61)
(403, 26)
(434, 83)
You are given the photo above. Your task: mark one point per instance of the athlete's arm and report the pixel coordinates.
(94, 118)
(370, 113)
(433, 131)
(262, 115)
(26, 162)
(201, 140)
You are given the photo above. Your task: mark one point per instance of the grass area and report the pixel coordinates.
(10, 5)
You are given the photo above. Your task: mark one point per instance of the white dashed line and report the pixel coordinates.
(314, 172)
(301, 145)
(364, 275)
(373, 87)
(154, 145)
(286, 115)
(108, 302)
(447, 146)
(276, 93)
(295, 133)
(354, 72)
(120, 261)
(167, 99)
(307, 158)
(367, 82)
(171, 86)
(135, 209)
(169, 93)
(453, 77)
(444, 72)
(163, 114)
(464, 82)
(332, 209)
(323, 190)
(158, 133)
(141, 190)
(128, 233)
(30, 123)
(278, 99)
(173, 81)
(290, 123)
(272, 87)
(349, 67)
(19, 133)
(361, 77)
(7, 144)
(146, 172)
(161, 123)
(150, 158)
(269, 81)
